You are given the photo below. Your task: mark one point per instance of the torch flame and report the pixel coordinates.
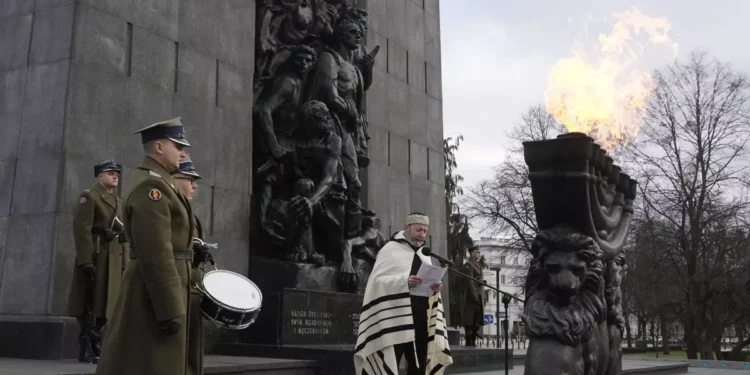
(606, 98)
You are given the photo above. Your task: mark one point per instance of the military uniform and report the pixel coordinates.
(200, 255)
(101, 257)
(149, 332)
(195, 336)
(472, 309)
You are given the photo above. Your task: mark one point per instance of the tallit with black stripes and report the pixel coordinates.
(385, 319)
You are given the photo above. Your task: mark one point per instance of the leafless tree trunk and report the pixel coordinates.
(691, 158)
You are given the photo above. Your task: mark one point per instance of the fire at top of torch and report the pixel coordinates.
(604, 95)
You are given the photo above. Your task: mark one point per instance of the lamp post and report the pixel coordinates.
(506, 301)
(497, 308)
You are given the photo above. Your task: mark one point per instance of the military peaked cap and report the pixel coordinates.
(107, 165)
(188, 168)
(170, 129)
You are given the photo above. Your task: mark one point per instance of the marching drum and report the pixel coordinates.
(230, 300)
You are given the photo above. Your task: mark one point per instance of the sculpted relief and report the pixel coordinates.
(312, 74)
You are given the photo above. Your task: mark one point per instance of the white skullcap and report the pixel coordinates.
(417, 219)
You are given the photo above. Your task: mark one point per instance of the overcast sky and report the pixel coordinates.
(496, 55)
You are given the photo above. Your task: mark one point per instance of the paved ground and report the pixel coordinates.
(518, 370)
(11, 366)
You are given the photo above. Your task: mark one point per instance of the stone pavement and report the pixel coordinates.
(628, 364)
(12, 366)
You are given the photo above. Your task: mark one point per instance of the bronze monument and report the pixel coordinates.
(312, 74)
(584, 205)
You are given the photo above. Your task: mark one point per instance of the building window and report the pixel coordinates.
(502, 260)
(502, 279)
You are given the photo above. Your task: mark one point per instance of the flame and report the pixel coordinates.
(604, 94)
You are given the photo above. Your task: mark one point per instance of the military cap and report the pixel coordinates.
(170, 129)
(107, 165)
(474, 248)
(188, 168)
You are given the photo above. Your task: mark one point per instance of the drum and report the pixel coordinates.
(230, 300)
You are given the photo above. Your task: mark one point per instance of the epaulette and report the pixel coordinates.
(152, 173)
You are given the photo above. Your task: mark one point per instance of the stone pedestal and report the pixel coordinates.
(45, 337)
(300, 305)
(295, 317)
(273, 276)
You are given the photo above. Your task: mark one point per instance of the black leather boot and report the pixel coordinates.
(96, 345)
(96, 337)
(85, 352)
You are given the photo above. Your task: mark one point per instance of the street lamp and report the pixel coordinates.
(497, 309)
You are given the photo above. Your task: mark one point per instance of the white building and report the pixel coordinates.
(512, 263)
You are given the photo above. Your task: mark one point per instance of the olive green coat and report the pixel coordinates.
(195, 339)
(472, 308)
(95, 211)
(156, 285)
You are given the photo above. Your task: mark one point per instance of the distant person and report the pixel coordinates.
(393, 324)
(101, 257)
(149, 331)
(472, 308)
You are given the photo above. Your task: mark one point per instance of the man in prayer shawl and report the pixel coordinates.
(395, 326)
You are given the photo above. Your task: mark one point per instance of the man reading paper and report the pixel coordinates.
(394, 325)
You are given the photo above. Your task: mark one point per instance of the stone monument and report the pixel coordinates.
(316, 237)
(573, 309)
(77, 77)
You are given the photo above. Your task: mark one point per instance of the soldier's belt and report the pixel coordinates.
(182, 255)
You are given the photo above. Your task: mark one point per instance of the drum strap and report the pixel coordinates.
(184, 255)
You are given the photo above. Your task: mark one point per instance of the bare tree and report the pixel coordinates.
(691, 159)
(503, 204)
(536, 125)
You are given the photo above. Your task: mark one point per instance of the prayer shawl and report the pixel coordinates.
(386, 316)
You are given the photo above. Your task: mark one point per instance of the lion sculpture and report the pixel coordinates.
(566, 313)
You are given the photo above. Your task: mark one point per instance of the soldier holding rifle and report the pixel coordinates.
(101, 257)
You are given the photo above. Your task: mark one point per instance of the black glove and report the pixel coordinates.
(109, 235)
(169, 327)
(201, 253)
(88, 270)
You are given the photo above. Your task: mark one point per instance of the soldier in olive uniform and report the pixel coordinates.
(101, 257)
(149, 331)
(186, 180)
(472, 309)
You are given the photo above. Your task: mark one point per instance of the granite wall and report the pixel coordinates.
(77, 78)
(405, 115)
(404, 111)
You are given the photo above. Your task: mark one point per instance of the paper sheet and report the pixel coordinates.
(430, 275)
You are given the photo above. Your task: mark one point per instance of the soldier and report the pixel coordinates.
(186, 178)
(473, 306)
(149, 331)
(101, 257)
